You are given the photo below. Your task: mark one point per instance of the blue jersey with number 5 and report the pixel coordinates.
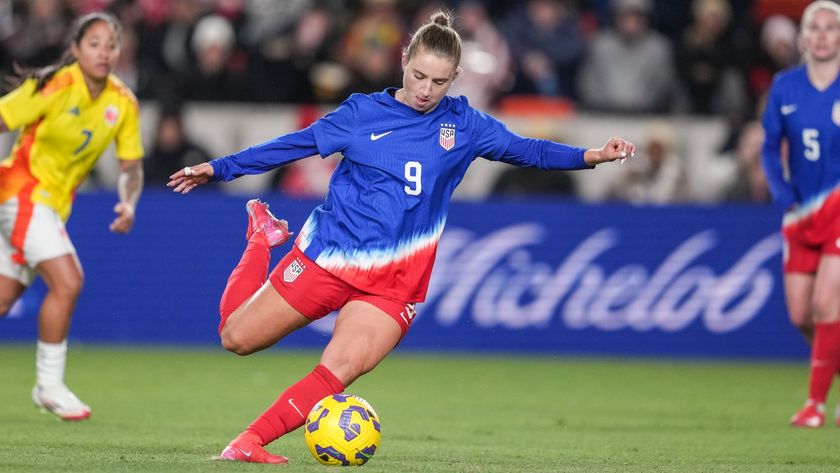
(379, 226)
(809, 120)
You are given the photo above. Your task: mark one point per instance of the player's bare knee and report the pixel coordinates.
(825, 310)
(235, 348)
(68, 289)
(234, 343)
(229, 342)
(76, 286)
(801, 318)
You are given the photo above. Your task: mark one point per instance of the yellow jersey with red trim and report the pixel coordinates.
(63, 132)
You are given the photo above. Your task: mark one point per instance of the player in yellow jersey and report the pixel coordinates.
(67, 114)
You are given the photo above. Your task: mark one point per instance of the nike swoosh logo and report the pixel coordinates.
(291, 403)
(247, 454)
(788, 109)
(374, 137)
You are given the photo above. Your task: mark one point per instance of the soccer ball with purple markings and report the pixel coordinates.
(342, 429)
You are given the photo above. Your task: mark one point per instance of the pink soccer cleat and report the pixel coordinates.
(810, 416)
(246, 448)
(60, 401)
(275, 231)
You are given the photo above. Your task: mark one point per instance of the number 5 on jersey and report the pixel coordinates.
(413, 172)
(810, 137)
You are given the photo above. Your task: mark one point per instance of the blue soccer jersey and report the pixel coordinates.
(379, 227)
(809, 120)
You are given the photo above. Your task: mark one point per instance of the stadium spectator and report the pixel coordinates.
(487, 64)
(778, 50)
(127, 69)
(283, 63)
(778, 39)
(368, 250)
(39, 36)
(306, 178)
(803, 108)
(371, 46)
(277, 44)
(629, 68)
(749, 183)
(547, 45)
(172, 149)
(219, 74)
(706, 61)
(266, 20)
(599, 13)
(164, 47)
(658, 175)
(68, 114)
(523, 182)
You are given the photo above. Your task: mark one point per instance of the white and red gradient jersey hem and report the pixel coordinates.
(826, 202)
(400, 271)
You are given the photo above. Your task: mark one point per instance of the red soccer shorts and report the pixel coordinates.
(810, 236)
(315, 292)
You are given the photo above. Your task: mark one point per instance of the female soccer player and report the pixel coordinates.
(803, 108)
(368, 249)
(68, 113)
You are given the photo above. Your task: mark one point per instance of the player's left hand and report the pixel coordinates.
(125, 218)
(616, 148)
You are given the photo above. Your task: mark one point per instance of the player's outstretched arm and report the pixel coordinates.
(615, 148)
(186, 179)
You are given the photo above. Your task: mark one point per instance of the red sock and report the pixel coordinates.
(289, 411)
(248, 276)
(825, 359)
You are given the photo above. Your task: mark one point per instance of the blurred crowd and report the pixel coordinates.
(698, 57)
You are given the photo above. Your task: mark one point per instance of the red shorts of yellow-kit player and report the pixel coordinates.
(810, 233)
(315, 292)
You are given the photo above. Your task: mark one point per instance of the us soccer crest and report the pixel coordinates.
(292, 271)
(447, 136)
(835, 113)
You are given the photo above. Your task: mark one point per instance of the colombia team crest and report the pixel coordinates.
(447, 136)
(835, 113)
(111, 115)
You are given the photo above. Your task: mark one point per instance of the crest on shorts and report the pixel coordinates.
(409, 313)
(292, 271)
(447, 136)
(835, 113)
(111, 115)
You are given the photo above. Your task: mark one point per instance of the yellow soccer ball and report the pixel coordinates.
(343, 430)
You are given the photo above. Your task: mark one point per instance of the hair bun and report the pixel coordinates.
(442, 18)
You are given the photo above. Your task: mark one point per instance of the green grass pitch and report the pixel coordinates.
(167, 409)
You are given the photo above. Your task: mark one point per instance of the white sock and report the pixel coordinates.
(50, 359)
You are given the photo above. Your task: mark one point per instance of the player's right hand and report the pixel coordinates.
(187, 178)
